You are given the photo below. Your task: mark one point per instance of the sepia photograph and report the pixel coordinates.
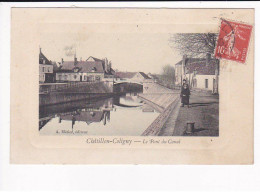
(103, 84)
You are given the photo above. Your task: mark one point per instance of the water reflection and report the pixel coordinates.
(119, 115)
(85, 115)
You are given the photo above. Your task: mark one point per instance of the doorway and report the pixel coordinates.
(206, 83)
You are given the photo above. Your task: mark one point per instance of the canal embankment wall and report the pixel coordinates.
(77, 87)
(167, 101)
(155, 129)
(67, 92)
(160, 99)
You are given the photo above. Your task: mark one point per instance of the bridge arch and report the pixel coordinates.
(128, 87)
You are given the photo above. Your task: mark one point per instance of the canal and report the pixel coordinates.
(125, 115)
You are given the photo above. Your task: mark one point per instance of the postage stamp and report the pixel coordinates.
(233, 41)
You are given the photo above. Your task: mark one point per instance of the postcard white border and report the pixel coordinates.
(174, 177)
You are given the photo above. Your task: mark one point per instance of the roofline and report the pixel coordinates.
(45, 64)
(95, 58)
(179, 62)
(202, 59)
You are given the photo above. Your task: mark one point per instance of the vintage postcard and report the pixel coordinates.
(132, 86)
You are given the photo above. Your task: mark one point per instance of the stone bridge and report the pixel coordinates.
(149, 86)
(128, 86)
(127, 81)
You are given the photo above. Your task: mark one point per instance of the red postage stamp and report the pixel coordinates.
(233, 41)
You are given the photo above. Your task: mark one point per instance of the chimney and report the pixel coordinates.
(106, 65)
(40, 50)
(208, 57)
(62, 61)
(109, 66)
(75, 60)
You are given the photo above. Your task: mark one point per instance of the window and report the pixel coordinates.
(42, 77)
(97, 78)
(206, 83)
(66, 77)
(90, 78)
(85, 77)
(75, 76)
(43, 69)
(93, 69)
(60, 77)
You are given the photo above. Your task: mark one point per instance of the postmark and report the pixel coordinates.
(233, 41)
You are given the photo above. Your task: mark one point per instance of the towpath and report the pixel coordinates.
(203, 111)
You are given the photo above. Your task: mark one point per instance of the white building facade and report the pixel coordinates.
(205, 82)
(201, 73)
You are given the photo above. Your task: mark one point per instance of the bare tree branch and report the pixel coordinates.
(193, 44)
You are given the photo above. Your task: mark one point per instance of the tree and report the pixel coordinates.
(196, 45)
(168, 76)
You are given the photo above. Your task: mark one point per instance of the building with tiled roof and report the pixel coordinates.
(144, 75)
(201, 73)
(141, 77)
(82, 66)
(132, 76)
(92, 69)
(43, 59)
(46, 74)
(124, 75)
(107, 66)
(154, 77)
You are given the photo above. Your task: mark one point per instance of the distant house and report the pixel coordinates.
(132, 76)
(45, 69)
(140, 77)
(107, 66)
(124, 75)
(91, 70)
(199, 72)
(153, 77)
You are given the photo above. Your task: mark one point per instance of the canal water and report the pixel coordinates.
(125, 115)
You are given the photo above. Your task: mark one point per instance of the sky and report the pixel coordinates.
(128, 51)
(133, 39)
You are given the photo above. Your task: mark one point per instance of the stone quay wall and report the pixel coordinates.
(155, 128)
